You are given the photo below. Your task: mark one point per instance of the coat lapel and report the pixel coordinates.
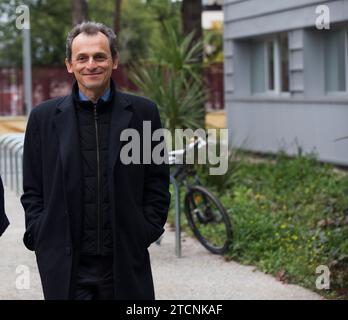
(69, 149)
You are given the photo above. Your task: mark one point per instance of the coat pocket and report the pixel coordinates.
(32, 233)
(39, 228)
(145, 231)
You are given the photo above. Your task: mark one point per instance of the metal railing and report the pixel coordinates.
(11, 161)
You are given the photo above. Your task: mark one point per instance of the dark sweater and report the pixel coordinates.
(94, 127)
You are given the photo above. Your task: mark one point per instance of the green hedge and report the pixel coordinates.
(290, 215)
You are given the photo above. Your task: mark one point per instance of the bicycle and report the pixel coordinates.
(206, 216)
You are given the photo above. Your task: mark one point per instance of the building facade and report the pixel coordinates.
(286, 76)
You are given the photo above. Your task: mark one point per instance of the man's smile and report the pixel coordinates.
(93, 74)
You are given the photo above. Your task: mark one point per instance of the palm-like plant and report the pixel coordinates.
(178, 53)
(171, 78)
(179, 102)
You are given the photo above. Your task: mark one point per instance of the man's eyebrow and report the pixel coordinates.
(101, 53)
(81, 54)
(86, 54)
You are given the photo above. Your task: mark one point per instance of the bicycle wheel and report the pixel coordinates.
(208, 219)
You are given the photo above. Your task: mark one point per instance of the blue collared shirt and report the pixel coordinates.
(104, 97)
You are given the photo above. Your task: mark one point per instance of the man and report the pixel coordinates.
(3, 219)
(90, 218)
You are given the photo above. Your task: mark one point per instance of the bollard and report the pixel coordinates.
(177, 216)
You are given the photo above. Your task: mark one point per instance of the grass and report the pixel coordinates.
(290, 215)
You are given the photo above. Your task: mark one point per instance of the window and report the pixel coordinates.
(270, 65)
(335, 45)
(258, 74)
(284, 62)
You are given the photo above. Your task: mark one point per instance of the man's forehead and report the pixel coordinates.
(90, 43)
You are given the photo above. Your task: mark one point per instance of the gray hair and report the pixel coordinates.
(91, 28)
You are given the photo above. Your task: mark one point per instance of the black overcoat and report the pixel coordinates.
(52, 198)
(3, 218)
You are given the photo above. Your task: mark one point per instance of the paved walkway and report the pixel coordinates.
(197, 275)
(12, 124)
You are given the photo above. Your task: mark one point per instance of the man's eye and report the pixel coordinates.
(81, 58)
(100, 58)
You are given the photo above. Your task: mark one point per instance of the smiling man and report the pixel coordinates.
(90, 218)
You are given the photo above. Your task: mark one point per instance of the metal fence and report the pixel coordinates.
(11, 161)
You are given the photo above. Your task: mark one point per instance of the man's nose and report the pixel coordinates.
(91, 63)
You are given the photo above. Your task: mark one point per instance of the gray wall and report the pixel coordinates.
(308, 117)
(246, 18)
(270, 126)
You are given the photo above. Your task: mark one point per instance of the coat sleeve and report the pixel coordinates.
(3, 219)
(156, 196)
(32, 198)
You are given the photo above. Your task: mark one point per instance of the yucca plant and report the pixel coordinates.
(171, 78)
(178, 54)
(179, 102)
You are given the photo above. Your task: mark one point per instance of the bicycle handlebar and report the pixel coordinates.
(174, 154)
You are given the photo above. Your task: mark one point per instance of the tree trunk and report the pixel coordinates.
(191, 13)
(117, 15)
(80, 11)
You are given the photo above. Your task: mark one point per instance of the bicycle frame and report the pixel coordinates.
(180, 174)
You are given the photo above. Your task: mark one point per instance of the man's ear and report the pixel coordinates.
(115, 63)
(68, 66)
